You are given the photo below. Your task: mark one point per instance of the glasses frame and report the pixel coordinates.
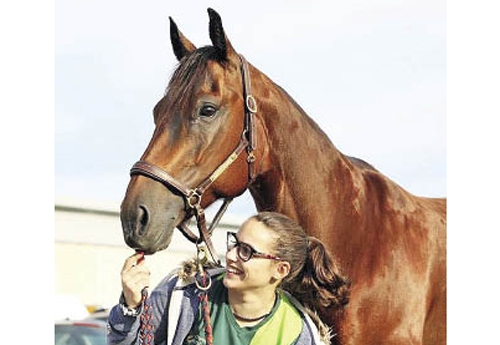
(253, 252)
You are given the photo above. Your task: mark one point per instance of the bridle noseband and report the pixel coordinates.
(192, 196)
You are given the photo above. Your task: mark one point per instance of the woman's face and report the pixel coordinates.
(256, 273)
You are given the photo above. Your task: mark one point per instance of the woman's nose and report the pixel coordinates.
(231, 254)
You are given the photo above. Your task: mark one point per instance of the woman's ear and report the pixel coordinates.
(282, 270)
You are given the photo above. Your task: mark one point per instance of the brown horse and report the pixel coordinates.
(390, 243)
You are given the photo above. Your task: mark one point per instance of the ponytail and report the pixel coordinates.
(319, 284)
(314, 279)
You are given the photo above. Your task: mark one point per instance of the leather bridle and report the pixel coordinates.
(192, 196)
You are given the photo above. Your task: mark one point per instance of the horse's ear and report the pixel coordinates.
(217, 35)
(181, 45)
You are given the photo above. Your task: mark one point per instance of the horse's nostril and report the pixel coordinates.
(142, 220)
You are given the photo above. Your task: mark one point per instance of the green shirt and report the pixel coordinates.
(281, 327)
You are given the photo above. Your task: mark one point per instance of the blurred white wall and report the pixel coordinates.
(89, 251)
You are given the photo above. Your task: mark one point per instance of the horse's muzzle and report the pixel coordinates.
(148, 224)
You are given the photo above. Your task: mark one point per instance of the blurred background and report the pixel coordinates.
(90, 252)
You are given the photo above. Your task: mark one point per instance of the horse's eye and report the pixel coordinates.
(208, 110)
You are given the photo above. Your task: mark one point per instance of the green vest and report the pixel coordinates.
(282, 327)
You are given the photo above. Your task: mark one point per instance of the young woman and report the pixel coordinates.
(271, 264)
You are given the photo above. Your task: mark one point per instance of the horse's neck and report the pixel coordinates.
(305, 172)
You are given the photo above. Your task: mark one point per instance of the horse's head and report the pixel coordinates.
(201, 126)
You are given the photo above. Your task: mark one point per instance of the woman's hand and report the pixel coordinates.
(135, 277)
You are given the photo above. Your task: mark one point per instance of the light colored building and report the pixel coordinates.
(90, 251)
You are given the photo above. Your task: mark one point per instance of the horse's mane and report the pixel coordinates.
(313, 124)
(354, 160)
(361, 163)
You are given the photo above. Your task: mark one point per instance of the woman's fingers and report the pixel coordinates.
(135, 277)
(133, 260)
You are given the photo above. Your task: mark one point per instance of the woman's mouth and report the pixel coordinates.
(233, 271)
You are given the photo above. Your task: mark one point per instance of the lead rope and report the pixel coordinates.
(206, 312)
(146, 331)
(203, 283)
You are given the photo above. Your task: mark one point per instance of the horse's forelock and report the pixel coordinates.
(189, 73)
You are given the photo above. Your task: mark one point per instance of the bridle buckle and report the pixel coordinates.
(193, 199)
(251, 104)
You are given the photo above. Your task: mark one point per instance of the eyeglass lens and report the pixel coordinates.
(243, 250)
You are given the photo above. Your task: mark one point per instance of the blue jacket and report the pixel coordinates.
(175, 305)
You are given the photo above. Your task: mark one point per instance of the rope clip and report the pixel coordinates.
(202, 279)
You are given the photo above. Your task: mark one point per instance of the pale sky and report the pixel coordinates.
(371, 73)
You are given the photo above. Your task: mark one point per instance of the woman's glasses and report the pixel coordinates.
(245, 251)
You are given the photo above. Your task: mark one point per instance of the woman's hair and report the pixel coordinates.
(314, 278)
